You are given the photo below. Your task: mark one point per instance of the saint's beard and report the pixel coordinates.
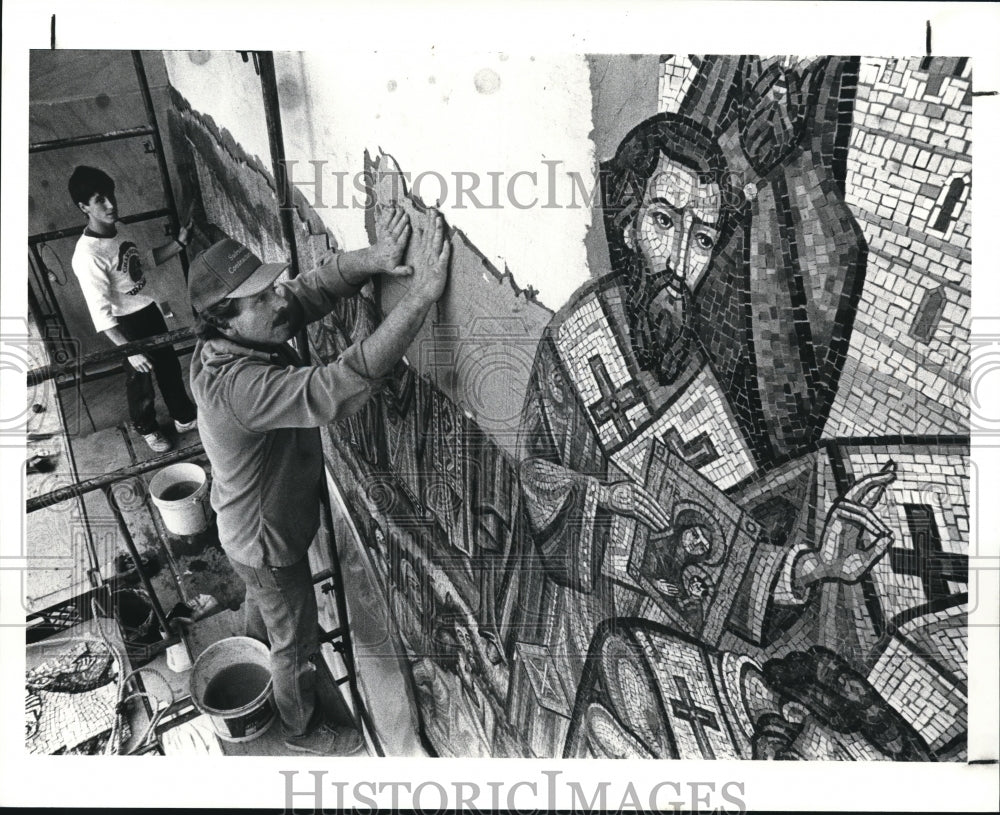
(661, 325)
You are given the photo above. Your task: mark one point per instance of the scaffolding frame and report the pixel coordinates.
(340, 638)
(73, 372)
(150, 129)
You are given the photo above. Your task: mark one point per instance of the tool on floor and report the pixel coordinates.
(41, 461)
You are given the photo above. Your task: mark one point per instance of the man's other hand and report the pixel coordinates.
(141, 363)
(392, 233)
(430, 261)
(184, 233)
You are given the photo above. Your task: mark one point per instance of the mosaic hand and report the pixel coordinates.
(634, 501)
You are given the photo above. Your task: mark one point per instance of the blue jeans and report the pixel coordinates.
(281, 609)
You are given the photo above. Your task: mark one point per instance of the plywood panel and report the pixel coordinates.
(136, 175)
(479, 344)
(85, 116)
(73, 74)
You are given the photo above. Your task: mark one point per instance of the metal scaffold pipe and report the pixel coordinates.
(74, 367)
(96, 483)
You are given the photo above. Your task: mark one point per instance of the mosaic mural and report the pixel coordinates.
(731, 516)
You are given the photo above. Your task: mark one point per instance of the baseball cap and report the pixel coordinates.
(228, 269)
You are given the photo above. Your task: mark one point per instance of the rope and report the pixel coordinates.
(155, 718)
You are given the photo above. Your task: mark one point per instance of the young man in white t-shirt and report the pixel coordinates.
(111, 271)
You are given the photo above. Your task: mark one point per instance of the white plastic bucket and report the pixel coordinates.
(231, 683)
(180, 492)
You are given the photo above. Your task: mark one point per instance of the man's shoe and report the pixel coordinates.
(327, 740)
(157, 442)
(184, 427)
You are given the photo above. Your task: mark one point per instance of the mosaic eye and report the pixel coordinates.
(663, 220)
(704, 240)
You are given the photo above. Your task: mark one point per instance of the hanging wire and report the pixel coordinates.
(47, 269)
(124, 697)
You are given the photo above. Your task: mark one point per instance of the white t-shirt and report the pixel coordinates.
(112, 276)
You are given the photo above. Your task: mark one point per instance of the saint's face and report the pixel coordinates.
(695, 542)
(676, 228)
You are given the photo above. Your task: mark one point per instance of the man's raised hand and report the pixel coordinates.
(392, 233)
(431, 260)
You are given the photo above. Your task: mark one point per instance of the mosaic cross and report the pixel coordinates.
(544, 678)
(544, 683)
(614, 404)
(697, 452)
(926, 560)
(699, 718)
(939, 69)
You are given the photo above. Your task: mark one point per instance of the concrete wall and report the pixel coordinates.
(436, 114)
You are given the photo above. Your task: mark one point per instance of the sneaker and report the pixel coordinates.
(157, 442)
(327, 740)
(184, 427)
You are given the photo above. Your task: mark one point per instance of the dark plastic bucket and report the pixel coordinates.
(134, 612)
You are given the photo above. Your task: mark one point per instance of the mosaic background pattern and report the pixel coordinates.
(828, 341)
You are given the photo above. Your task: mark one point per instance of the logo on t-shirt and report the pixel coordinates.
(130, 263)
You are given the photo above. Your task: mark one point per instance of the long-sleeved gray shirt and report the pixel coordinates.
(259, 415)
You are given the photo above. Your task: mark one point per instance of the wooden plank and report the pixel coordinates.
(229, 624)
(272, 744)
(55, 542)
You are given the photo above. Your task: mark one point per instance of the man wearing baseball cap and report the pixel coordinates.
(260, 409)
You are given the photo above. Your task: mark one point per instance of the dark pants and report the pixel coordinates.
(148, 322)
(280, 608)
